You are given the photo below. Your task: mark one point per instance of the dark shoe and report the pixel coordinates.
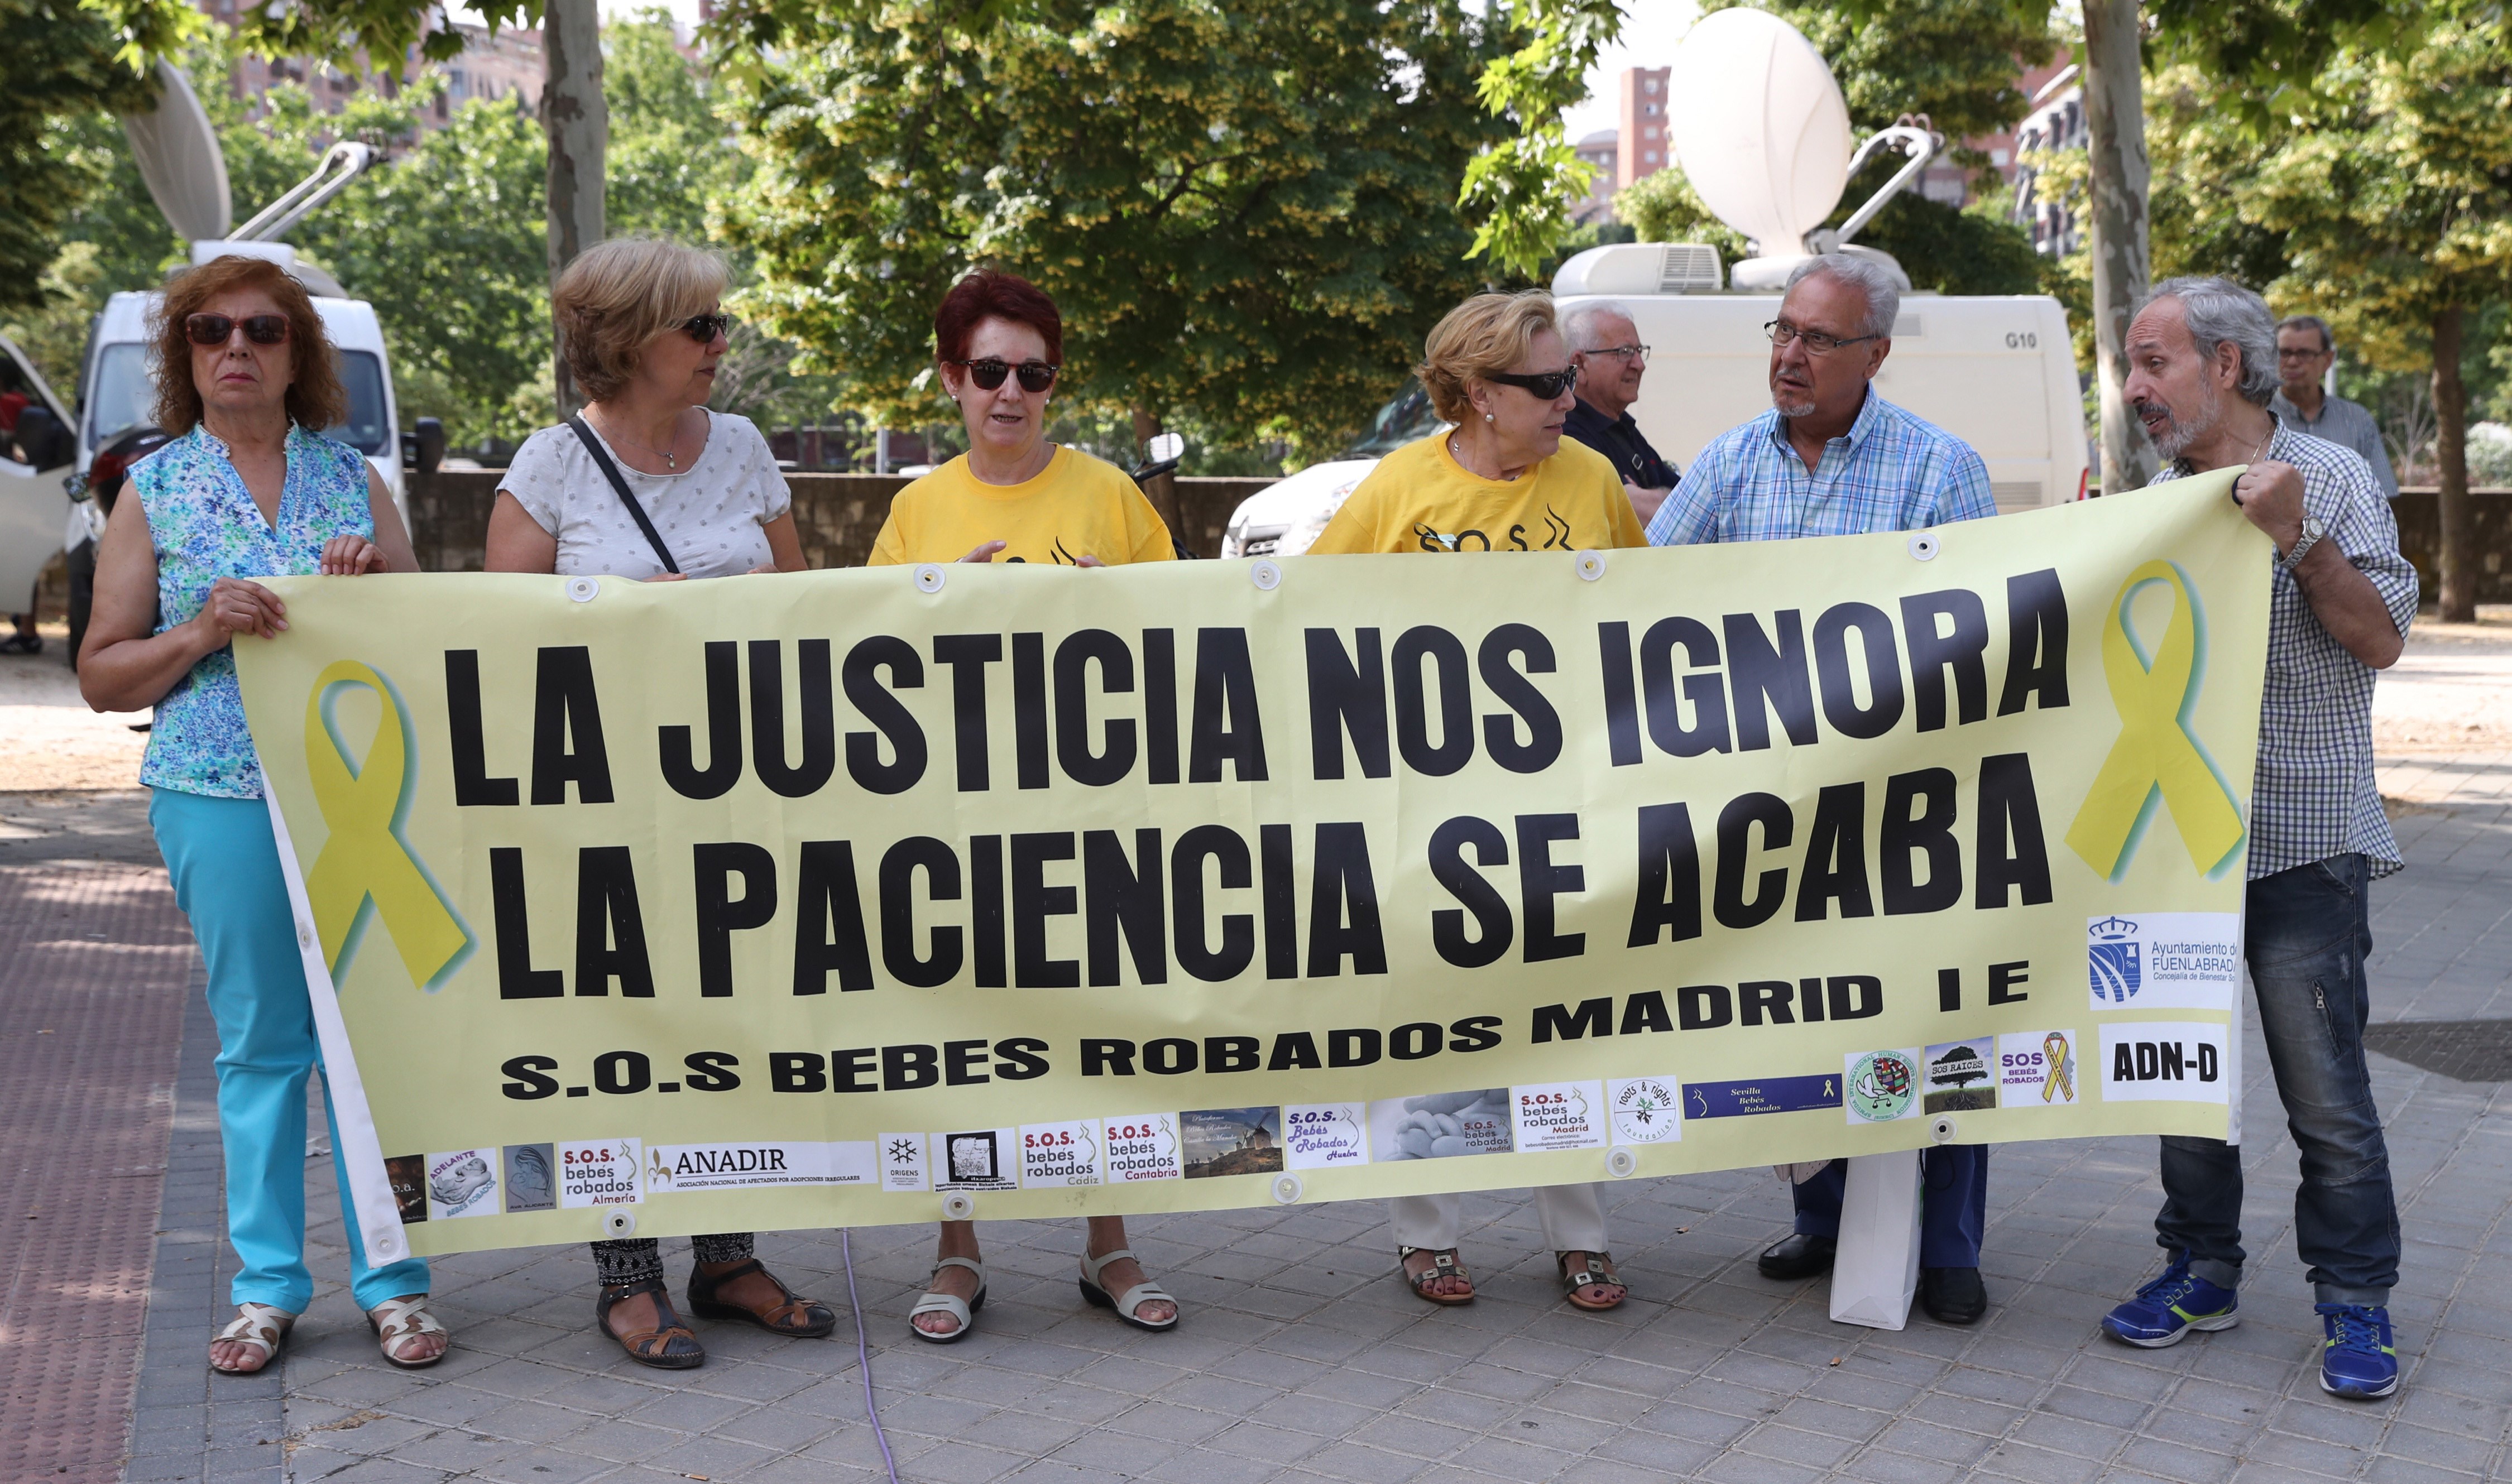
(797, 1316)
(1797, 1257)
(1952, 1295)
(668, 1347)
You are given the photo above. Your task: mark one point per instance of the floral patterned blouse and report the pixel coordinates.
(204, 526)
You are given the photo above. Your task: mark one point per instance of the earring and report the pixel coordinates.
(1486, 416)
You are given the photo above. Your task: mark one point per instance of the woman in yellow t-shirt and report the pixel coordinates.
(1014, 494)
(1000, 345)
(1500, 480)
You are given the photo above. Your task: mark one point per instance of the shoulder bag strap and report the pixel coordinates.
(627, 497)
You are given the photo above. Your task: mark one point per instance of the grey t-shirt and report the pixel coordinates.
(2347, 424)
(712, 515)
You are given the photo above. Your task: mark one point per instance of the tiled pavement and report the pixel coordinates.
(1301, 1358)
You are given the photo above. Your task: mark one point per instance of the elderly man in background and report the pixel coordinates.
(1605, 349)
(2304, 353)
(2200, 377)
(1832, 458)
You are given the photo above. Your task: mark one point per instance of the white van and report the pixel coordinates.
(32, 499)
(1998, 372)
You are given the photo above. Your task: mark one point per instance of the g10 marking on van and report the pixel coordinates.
(2022, 339)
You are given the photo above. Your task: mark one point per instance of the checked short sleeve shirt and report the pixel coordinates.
(2315, 796)
(1889, 472)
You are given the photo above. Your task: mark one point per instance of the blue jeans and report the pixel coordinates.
(224, 862)
(1953, 1206)
(2307, 933)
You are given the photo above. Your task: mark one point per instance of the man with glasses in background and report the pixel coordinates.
(2304, 353)
(1832, 458)
(1606, 350)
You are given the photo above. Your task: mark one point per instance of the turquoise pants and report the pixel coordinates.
(224, 862)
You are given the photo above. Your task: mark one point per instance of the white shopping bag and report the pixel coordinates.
(1875, 1273)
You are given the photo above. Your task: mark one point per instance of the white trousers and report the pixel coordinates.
(1573, 1217)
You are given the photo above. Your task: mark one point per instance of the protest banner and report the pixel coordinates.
(849, 897)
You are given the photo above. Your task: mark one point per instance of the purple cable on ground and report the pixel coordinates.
(863, 1357)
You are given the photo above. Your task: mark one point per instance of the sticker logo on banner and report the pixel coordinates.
(1646, 1109)
(1555, 1115)
(1442, 1126)
(599, 1174)
(1231, 1141)
(464, 1182)
(979, 1159)
(531, 1178)
(2180, 1061)
(2113, 960)
(1056, 1156)
(2036, 1069)
(1320, 1135)
(1144, 1146)
(1881, 1086)
(2169, 961)
(1959, 1077)
(903, 1167)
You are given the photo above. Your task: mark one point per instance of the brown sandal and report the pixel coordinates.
(1596, 1269)
(797, 1316)
(669, 1345)
(1443, 1265)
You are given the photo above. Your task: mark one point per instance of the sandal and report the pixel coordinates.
(260, 1326)
(1129, 1304)
(669, 1345)
(1443, 1265)
(963, 1309)
(1594, 1269)
(33, 643)
(797, 1316)
(396, 1321)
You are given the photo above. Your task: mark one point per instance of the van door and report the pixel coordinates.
(34, 501)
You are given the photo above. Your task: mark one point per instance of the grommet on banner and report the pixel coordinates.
(1265, 574)
(583, 589)
(1924, 547)
(929, 578)
(618, 1222)
(1942, 1129)
(1591, 565)
(386, 1245)
(1286, 1190)
(959, 1206)
(1621, 1163)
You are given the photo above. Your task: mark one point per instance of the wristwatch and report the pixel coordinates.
(2312, 531)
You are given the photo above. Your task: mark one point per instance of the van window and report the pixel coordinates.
(123, 398)
(1407, 419)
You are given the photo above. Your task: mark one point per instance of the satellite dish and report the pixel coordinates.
(1760, 127)
(179, 158)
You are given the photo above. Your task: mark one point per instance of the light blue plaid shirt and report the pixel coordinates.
(1891, 472)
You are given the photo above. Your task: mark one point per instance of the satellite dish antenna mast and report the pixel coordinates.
(1762, 133)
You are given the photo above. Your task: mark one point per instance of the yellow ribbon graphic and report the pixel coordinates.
(2155, 750)
(365, 859)
(2053, 1054)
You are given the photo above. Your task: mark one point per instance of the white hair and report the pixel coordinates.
(1581, 318)
(2219, 311)
(1883, 295)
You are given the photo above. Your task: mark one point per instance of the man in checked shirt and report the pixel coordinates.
(2202, 357)
(1832, 458)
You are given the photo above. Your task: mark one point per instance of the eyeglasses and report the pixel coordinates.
(1546, 385)
(1625, 351)
(2287, 354)
(704, 327)
(1817, 343)
(216, 328)
(989, 373)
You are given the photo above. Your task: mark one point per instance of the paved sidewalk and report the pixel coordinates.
(1302, 1358)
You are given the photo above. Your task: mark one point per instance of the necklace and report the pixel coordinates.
(670, 460)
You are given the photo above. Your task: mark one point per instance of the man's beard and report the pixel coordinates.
(1792, 410)
(2177, 436)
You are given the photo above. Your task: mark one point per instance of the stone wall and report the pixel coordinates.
(2420, 535)
(837, 513)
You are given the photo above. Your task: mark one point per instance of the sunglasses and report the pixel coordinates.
(1547, 385)
(704, 327)
(989, 373)
(215, 329)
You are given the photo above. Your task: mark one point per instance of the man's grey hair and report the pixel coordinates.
(2313, 323)
(1579, 321)
(1883, 295)
(2221, 311)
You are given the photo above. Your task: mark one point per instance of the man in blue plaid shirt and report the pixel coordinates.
(2202, 368)
(1832, 458)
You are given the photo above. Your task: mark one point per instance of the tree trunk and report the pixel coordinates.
(2115, 121)
(578, 123)
(2458, 556)
(1162, 491)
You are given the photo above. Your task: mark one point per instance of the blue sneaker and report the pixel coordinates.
(2168, 1309)
(2357, 1361)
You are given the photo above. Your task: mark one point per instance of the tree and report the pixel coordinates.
(1245, 211)
(57, 67)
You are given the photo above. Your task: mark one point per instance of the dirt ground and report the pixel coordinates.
(48, 739)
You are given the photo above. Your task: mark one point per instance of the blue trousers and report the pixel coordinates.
(1953, 1206)
(224, 863)
(2307, 934)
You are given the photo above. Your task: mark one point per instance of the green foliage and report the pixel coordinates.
(336, 30)
(1663, 207)
(56, 65)
(1519, 188)
(1245, 211)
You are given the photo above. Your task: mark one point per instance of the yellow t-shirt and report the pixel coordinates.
(1420, 498)
(1077, 506)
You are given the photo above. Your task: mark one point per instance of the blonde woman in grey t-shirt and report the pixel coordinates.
(643, 331)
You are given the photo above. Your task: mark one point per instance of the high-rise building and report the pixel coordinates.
(1644, 149)
(1597, 151)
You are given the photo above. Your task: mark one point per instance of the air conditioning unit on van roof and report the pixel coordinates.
(1640, 268)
